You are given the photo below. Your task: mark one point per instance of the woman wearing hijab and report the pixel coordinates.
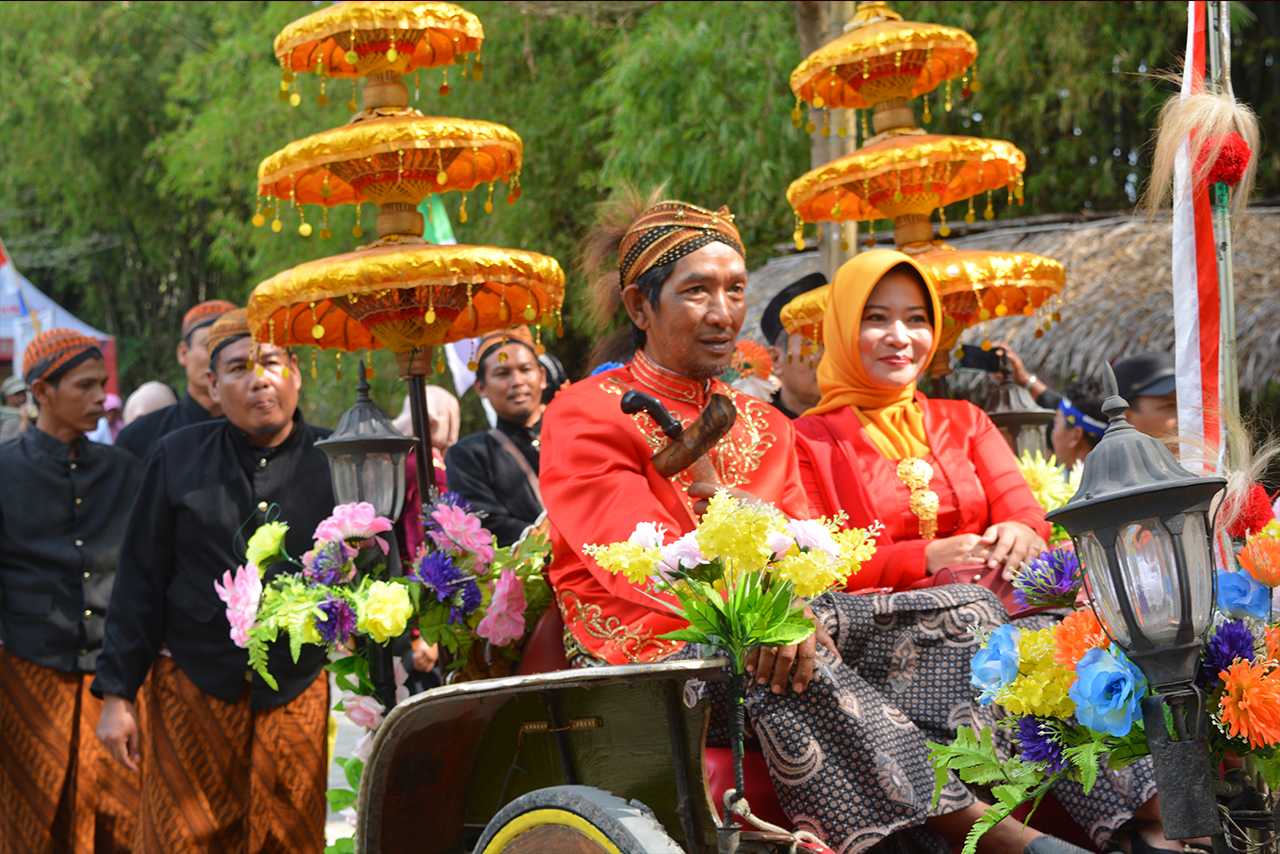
(936, 473)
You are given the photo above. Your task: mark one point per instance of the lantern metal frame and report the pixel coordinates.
(1133, 479)
(1012, 409)
(362, 430)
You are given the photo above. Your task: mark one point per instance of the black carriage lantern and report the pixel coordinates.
(1019, 417)
(367, 456)
(1142, 529)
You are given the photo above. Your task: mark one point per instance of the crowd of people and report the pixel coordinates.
(129, 718)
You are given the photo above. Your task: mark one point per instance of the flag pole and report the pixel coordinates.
(1229, 388)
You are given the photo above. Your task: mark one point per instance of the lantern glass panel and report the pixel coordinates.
(1195, 549)
(346, 478)
(1145, 551)
(1031, 437)
(1102, 589)
(378, 482)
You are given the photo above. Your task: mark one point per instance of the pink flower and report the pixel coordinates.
(683, 553)
(812, 534)
(780, 543)
(402, 678)
(362, 750)
(241, 594)
(363, 711)
(456, 529)
(504, 621)
(648, 535)
(357, 521)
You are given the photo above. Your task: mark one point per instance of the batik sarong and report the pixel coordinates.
(60, 791)
(223, 777)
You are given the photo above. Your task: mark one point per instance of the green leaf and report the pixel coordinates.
(340, 799)
(1084, 758)
(344, 845)
(353, 769)
(689, 635)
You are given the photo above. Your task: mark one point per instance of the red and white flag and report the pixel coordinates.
(1196, 299)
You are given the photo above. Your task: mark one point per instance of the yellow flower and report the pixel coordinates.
(1049, 483)
(266, 544)
(1041, 686)
(633, 560)
(857, 545)
(384, 611)
(812, 572)
(738, 532)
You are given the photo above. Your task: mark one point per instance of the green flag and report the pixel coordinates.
(436, 227)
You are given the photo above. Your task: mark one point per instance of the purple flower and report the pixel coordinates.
(339, 622)
(437, 571)
(1039, 744)
(1051, 580)
(329, 562)
(1232, 640)
(466, 600)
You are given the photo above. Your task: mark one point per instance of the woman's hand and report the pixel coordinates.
(953, 551)
(777, 664)
(1009, 545)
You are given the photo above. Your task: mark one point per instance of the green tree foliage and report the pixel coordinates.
(131, 134)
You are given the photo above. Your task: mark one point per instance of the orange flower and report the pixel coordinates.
(1250, 704)
(1076, 635)
(751, 359)
(1261, 557)
(1273, 642)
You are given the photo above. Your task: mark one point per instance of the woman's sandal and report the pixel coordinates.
(1052, 845)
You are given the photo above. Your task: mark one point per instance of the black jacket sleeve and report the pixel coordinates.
(135, 617)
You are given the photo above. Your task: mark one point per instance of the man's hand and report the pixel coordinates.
(118, 731)
(425, 655)
(1019, 370)
(1010, 545)
(954, 551)
(778, 664)
(701, 492)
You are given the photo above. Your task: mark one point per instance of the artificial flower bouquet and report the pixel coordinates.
(741, 577)
(1070, 700)
(463, 588)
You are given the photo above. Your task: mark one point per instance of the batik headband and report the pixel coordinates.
(667, 232)
(1079, 418)
(226, 330)
(56, 351)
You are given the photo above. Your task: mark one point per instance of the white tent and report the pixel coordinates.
(25, 310)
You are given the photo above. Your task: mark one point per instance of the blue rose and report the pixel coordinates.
(996, 664)
(1108, 691)
(1240, 595)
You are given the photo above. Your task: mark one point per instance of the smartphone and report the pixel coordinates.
(982, 360)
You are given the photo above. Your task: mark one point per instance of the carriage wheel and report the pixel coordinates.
(574, 820)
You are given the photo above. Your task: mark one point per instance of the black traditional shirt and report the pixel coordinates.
(483, 472)
(205, 492)
(142, 435)
(62, 519)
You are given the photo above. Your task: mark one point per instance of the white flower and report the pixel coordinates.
(648, 535)
(813, 534)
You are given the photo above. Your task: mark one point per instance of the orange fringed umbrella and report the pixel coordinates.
(883, 58)
(393, 159)
(906, 173)
(406, 297)
(358, 39)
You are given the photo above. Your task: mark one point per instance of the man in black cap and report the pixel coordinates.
(1147, 381)
(796, 371)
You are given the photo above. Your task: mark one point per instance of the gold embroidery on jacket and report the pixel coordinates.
(636, 644)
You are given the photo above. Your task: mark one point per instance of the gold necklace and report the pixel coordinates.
(915, 474)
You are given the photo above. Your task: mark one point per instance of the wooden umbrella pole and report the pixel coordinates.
(413, 367)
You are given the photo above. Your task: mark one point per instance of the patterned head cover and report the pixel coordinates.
(204, 314)
(1077, 417)
(667, 232)
(227, 329)
(56, 351)
(495, 341)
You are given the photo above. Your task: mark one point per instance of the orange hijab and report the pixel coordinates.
(890, 416)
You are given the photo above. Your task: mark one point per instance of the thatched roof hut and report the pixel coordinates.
(1118, 298)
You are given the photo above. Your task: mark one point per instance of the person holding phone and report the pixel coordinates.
(936, 473)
